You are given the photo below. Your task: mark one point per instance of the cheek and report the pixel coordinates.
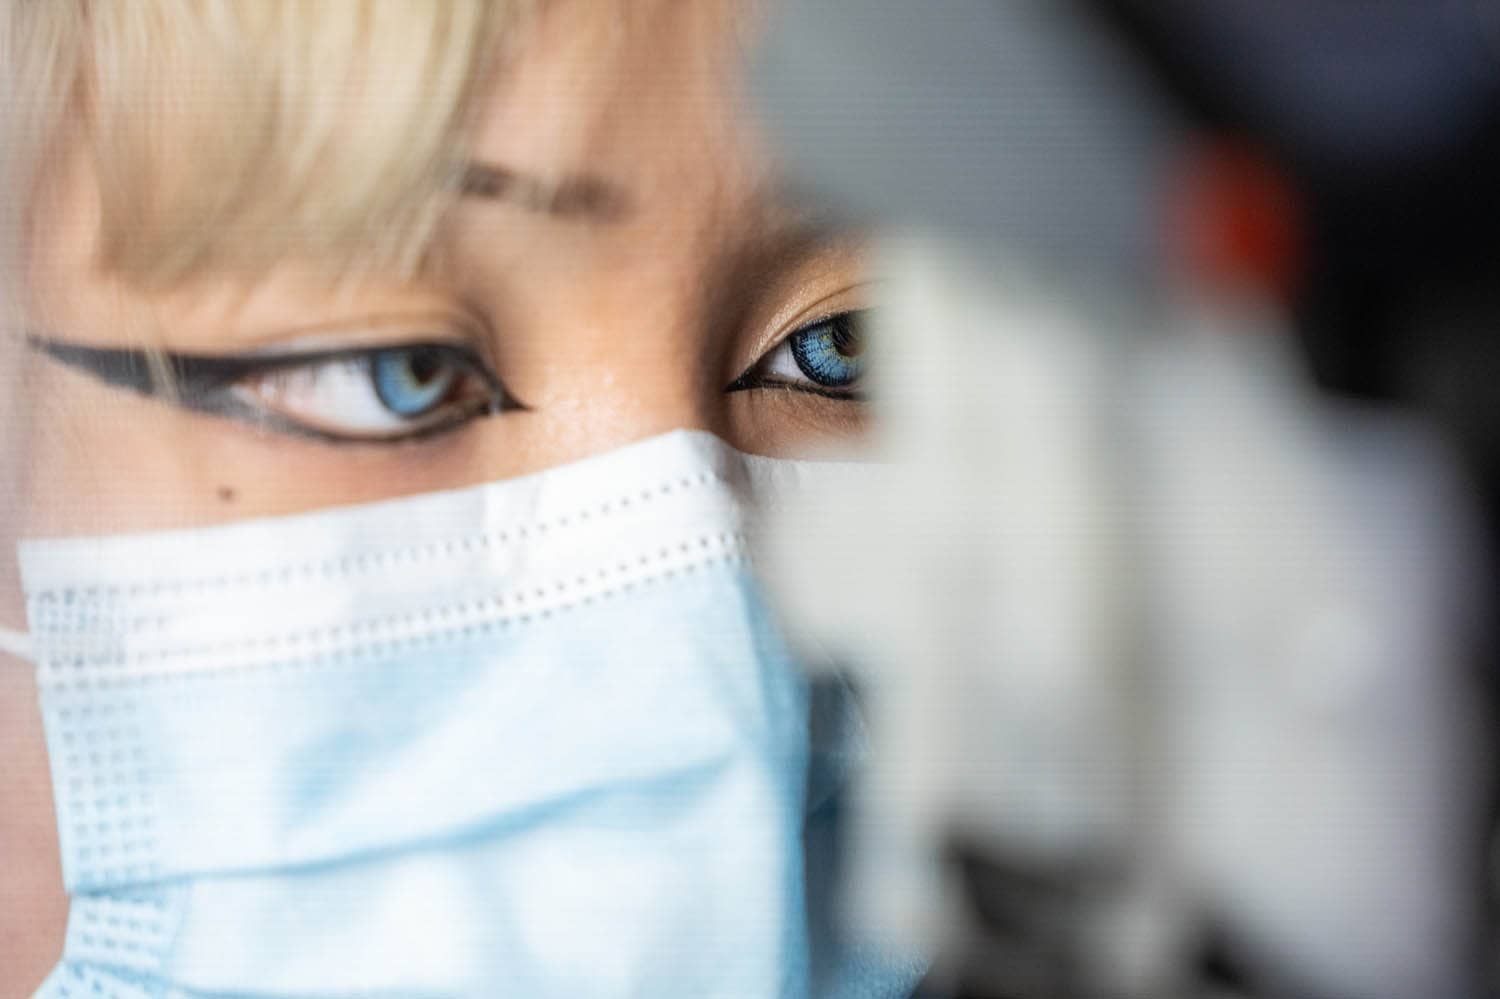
(99, 460)
(14, 437)
(790, 424)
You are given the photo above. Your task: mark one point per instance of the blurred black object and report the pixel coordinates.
(1054, 126)
(1385, 116)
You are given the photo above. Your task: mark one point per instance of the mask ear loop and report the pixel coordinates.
(17, 643)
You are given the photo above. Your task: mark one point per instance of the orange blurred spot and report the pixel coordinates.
(1234, 219)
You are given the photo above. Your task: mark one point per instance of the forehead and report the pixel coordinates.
(643, 95)
(646, 96)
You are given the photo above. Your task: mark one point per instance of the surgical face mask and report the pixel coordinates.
(534, 738)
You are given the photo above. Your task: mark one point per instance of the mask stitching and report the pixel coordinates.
(107, 934)
(351, 565)
(427, 627)
(95, 980)
(110, 739)
(518, 597)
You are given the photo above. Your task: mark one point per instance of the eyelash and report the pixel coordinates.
(471, 390)
(249, 387)
(813, 350)
(225, 385)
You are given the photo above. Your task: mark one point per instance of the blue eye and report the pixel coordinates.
(826, 358)
(378, 394)
(411, 381)
(356, 394)
(830, 352)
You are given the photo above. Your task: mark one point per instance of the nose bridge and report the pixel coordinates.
(669, 318)
(654, 348)
(646, 385)
(635, 359)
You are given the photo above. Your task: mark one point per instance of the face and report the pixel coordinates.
(624, 262)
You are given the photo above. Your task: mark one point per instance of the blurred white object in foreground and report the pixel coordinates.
(1141, 603)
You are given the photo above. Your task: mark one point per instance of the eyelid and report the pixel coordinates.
(344, 339)
(203, 382)
(455, 320)
(810, 314)
(248, 366)
(384, 331)
(496, 398)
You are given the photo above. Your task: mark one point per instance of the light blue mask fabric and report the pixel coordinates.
(533, 738)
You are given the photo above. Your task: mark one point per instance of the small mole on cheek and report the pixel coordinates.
(226, 494)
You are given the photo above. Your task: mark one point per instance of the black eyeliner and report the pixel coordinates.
(200, 382)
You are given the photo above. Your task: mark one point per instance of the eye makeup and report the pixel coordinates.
(823, 358)
(216, 384)
(390, 392)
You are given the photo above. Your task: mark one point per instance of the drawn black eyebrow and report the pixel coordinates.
(169, 374)
(197, 382)
(576, 197)
(190, 374)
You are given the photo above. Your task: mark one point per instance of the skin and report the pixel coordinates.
(610, 326)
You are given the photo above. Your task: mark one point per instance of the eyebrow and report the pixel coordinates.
(580, 196)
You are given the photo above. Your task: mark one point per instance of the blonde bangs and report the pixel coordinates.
(230, 135)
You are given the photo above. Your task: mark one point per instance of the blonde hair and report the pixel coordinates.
(227, 135)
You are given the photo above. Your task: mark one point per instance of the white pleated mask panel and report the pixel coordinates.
(538, 737)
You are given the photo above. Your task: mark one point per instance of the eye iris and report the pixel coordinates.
(412, 381)
(830, 353)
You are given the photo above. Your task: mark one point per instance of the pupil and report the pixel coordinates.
(845, 338)
(424, 366)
